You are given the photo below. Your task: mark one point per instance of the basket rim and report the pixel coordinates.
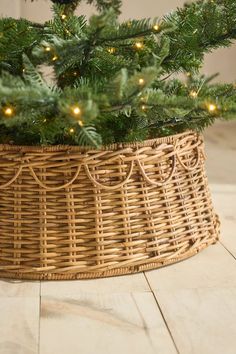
(74, 148)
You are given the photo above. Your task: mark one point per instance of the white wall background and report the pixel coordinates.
(222, 60)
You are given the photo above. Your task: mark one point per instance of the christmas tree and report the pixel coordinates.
(112, 82)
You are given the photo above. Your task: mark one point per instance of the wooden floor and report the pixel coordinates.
(186, 308)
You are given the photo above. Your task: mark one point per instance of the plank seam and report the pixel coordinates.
(162, 314)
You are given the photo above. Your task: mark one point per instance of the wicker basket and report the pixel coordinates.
(72, 213)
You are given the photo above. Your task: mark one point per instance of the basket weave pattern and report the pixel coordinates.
(72, 213)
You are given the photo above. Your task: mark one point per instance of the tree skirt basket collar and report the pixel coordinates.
(71, 213)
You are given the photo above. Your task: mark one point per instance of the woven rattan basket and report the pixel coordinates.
(72, 213)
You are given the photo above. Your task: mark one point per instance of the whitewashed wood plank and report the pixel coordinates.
(129, 283)
(228, 239)
(224, 198)
(202, 321)
(213, 267)
(103, 323)
(222, 188)
(19, 325)
(18, 288)
(157, 331)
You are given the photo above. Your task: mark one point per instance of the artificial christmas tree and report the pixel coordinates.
(102, 170)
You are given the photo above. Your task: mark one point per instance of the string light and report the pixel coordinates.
(211, 107)
(75, 73)
(188, 74)
(76, 111)
(139, 45)
(141, 81)
(47, 49)
(72, 130)
(193, 94)
(143, 107)
(55, 58)
(45, 120)
(156, 27)
(63, 17)
(80, 123)
(111, 50)
(8, 111)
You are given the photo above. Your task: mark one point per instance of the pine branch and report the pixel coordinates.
(88, 136)
(113, 82)
(200, 27)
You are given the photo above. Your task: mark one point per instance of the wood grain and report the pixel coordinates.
(103, 323)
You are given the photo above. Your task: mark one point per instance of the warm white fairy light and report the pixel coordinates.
(76, 110)
(54, 58)
(139, 45)
(111, 50)
(8, 111)
(156, 27)
(193, 94)
(211, 107)
(141, 81)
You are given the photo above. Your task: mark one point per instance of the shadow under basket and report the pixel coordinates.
(74, 213)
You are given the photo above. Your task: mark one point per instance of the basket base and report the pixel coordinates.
(110, 272)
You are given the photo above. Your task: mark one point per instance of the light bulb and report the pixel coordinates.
(211, 107)
(111, 50)
(156, 27)
(76, 110)
(141, 81)
(139, 45)
(8, 111)
(193, 94)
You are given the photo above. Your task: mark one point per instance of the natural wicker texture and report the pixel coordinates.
(72, 213)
